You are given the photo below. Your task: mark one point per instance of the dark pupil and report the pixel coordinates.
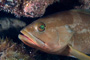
(42, 26)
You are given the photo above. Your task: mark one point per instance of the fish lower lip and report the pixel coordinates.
(26, 36)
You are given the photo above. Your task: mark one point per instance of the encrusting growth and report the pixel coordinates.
(12, 51)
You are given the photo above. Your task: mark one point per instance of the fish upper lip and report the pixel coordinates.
(34, 40)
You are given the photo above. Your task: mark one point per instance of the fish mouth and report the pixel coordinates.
(30, 40)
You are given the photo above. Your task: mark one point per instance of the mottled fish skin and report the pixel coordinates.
(63, 28)
(81, 26)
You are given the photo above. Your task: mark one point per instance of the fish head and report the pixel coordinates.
(44, 34)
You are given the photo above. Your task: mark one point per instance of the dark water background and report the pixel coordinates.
(12, 33)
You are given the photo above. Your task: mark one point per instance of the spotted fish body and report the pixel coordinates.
(61, 29)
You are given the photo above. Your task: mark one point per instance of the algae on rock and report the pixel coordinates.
(12, 51)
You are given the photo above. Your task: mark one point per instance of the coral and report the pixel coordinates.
(28, 8)
(35, 8)
(12, 51)
(85, 4)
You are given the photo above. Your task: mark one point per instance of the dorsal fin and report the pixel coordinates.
(86, 11)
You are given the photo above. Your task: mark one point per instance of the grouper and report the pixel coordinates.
(64, 33)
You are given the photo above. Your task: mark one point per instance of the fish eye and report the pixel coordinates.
(41, 27)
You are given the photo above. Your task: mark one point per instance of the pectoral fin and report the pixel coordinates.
(78, 54)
